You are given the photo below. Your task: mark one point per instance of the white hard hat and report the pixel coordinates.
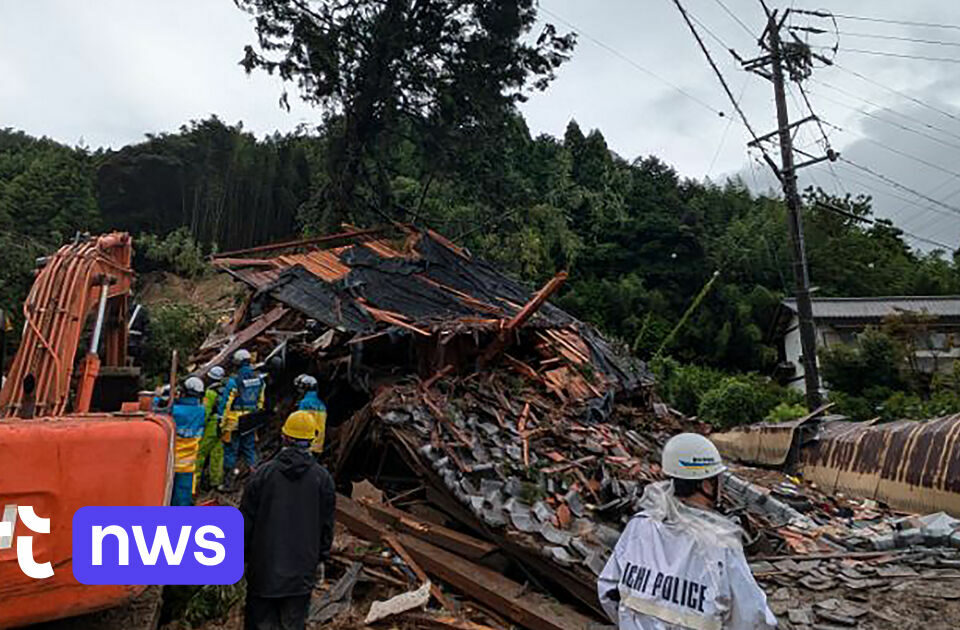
(193, 385)
(305, 382)
(241, 356)
(691, 456)
(216, 373)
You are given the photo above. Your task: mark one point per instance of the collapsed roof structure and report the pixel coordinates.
(477, 405)
(522, 422)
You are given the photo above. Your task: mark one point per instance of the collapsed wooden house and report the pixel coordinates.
(445, 377)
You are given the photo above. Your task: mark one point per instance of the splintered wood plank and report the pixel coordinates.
(508, 598)
(462, 544)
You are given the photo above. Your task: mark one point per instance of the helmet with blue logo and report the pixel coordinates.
(691, 456)
(217, 373)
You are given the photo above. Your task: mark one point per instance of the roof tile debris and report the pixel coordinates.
(492, 411)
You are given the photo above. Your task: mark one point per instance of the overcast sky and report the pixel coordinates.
(105, 73)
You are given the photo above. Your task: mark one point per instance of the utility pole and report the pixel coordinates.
(796, 58)
(788, 177)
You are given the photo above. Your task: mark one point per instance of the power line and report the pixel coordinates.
(726, 129)
(708, 31)
(861, 18)
(909, 156)
(869, 221)
(823, 133)
(873, 116)
(897, 92)
(927, 209)
(897, 184)
(633, 63)
(736, 18)
(913, 119)
(898, 55)
(726, 88)
(896, 38)
(937, 214)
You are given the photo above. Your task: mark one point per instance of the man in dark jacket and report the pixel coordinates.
(287, 506)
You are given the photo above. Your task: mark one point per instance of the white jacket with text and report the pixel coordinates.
(664, 576)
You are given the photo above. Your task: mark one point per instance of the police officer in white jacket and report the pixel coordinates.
(678, 565)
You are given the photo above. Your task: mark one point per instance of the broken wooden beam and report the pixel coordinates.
(250, 332)
(538, 300)
(461, 544)
(523, 315)
(508, 598)
(399, 549)
(317, 242)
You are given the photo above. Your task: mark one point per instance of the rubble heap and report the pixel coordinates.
(502, 432)
(520, 422)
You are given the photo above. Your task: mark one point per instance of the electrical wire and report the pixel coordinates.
(862, 18)
(869, 221)
(880, 53)
(633, 63)
(871, 115)
(896, 38)
(726, 129)
(897, 184)
(895, 151)
(913, 119)
(708, 30)
(938, 214)
(736, 18)
(726, 88)
(897, 92)
(927, 210)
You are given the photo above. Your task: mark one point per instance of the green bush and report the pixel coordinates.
(683, 386)
(785, 412)
(180, 327)
(743, 399)
(177, 252)
(877, 359)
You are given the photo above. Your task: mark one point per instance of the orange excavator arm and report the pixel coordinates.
(89, 277)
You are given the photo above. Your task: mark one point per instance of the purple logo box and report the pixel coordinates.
(157, 545)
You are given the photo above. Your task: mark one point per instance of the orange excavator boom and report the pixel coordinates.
(57, 456)
(89, 277)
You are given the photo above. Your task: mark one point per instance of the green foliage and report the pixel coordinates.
(46, 196)
(785, 412)
(742, 399)
(225, 186)
(195, 606)
(181, 327)
(684, 386)
(876, 377)
(873, 364)
(178, 253)
(447, 72)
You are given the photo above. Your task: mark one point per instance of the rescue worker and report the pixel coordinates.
(210, 456)
(678, 564)
(243, 394)
(188, 415)
(310, 402)
(288, 512)
(162, 400)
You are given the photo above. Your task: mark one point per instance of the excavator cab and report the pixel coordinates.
(70, 433)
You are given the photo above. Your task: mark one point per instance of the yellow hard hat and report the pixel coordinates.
(300, 426)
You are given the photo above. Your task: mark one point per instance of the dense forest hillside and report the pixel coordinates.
(640, 241)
